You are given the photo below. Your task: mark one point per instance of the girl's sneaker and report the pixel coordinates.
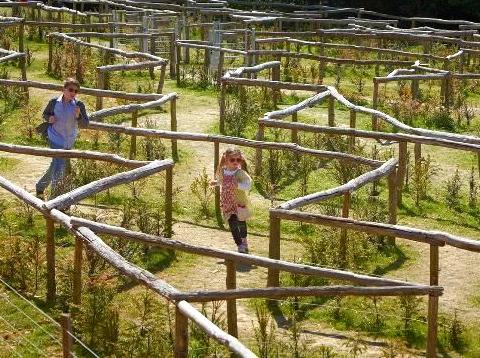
(243, 247)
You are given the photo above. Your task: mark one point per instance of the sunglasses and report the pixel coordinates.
(235, 160)
(72, 90)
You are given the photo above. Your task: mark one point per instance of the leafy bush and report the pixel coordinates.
(441, 120)
(453, 186)
(203, 192)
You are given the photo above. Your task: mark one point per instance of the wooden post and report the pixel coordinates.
(173, 62)
(321, 64)
(177, 62)
(133, 138)
(223, 94)
(161, 79)
(173, 127)
(434, 265)
(273, 279)
(343, 232)
(231, 283)
(77, 272)
(78, 63)
(221, 60)
(216, 163)
(448, 90)
(294, 131)
(50, 55)
(392, 201)
(67, 340)
(181, 335)
(276, 77)
(168, 202)
(331, 111)
(417, 149)
(433, 303)
(375, 105)
(353, 125)
(100, 85)
(258, 151)
(50, 255)
(402, 170)
(153, 49)
(22, 60)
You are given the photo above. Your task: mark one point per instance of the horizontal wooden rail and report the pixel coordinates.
(130, 108)
(401, 126)
(437, 238)
(209, 47)
(296, 268)
(115, 51)
(253, 69)
(348, 187)
(309, 102)
(323, 291)
(272, 84)
(97, 186)
(11, 56)
(84, 90)
(392, 137)
(72, 153)
(216, 138)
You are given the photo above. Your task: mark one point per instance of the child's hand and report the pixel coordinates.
(51, 119)
(213, 182)
(77, 111)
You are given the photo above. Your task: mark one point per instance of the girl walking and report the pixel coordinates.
(235, 183)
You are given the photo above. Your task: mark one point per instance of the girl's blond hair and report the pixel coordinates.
(228, 153)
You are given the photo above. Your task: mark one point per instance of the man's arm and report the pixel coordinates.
(83, 119)
(49, 110)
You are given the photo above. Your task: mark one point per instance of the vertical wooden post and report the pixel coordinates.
(321, 63)
(216, 163)
(173, 127)
(231, 283)
(67, 340)
(392, 201)
(77, 272)
(402, 170)
(448, 90)
(343, 232)
(433, 303)
(221, 60)
(276, 77)
(50, 55)
(273, 279)
(181, 334)
(168, 202)
(331, 111)
(100, 85)
(434, 265)
(161, 79)
(153, 49)
(375, 105)
(50, 255)
(78, 63)
(173, 63)
(294, 131)
(417, 149)
(353, 125)
(177, 62)
(133, 138)
(22, 60)
(223, 94)
(258, 151)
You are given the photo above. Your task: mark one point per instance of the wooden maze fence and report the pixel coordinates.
(86, 231)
